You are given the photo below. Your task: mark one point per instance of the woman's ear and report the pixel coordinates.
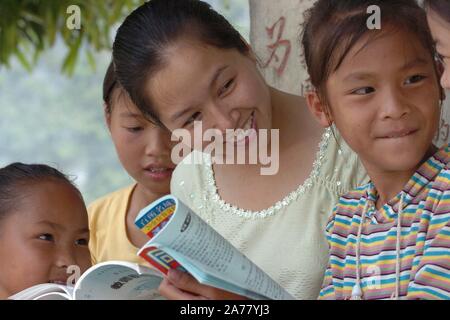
(250, 53)
(318, 109)
(440, 69)
(107, 115)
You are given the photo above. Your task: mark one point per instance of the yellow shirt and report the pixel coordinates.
(108, 233)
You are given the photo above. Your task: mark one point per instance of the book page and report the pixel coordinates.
(54, 296)
(47, 290)
(189, 240)
(118, 281)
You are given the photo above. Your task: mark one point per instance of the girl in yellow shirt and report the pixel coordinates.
(144, 151)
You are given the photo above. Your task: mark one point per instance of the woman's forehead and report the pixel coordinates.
(188, 73)
(440, 30)
(188, 58)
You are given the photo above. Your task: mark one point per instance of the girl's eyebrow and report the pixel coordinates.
(51, 224)
(358, 76)
(130, 115)
(414, 63)
(57, 226)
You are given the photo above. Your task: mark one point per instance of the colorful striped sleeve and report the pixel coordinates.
(327, 292)
(431, 269)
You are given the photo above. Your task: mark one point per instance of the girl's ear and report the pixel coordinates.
(318, 109)
(107, 115)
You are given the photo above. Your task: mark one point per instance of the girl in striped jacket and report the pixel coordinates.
(376, 80)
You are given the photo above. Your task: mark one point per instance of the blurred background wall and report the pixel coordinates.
(51, 78)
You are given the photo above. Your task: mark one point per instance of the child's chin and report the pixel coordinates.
(156, 185)
(158, 176)
(402, 162)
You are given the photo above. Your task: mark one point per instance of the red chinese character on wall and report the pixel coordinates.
(280, 49)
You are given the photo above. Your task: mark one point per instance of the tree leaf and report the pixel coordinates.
(91, 59)
(71, 58)
(23, 60)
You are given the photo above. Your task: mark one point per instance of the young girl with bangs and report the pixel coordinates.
(389, 238)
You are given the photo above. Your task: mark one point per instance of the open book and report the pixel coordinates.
(112, 280)
(180, 239)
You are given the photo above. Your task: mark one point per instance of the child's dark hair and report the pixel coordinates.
(112, 89)
(18, 175)
(140, 43)
(110, 84)
(441, 7)
(333, 27)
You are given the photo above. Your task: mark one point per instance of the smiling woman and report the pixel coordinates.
(182, 62)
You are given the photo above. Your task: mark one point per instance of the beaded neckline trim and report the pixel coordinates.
(213, 195)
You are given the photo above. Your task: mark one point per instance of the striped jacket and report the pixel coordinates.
(424, 241)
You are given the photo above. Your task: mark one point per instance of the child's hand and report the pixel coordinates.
(182, 286)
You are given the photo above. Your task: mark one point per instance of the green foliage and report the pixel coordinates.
(29, 27)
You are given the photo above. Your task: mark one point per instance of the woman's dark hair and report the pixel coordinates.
(18, 175)
(441, 7)
(333, 27)
(139, 49)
